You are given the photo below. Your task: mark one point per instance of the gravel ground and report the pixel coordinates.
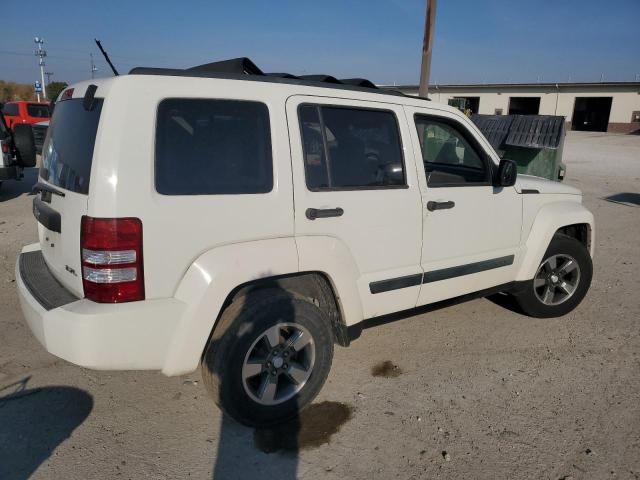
(472, 391)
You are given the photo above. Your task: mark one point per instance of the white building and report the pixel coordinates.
(604, 107)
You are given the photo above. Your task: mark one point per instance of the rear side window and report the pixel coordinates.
(10, 109)
(67, 152)
(38, 111)
(350, 148)
(209, 147)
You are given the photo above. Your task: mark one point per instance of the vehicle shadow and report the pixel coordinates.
(625, 198)
(34, 421)
(14, 188)
(244, 452)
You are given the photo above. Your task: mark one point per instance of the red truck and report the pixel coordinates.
(25, 112)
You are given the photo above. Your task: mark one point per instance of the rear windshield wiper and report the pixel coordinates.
(43, 187)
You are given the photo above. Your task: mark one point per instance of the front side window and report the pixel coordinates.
(208, 147)
(448, 156)
(350, 148)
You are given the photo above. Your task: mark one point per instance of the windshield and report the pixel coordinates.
(67, 152)
(38, 110)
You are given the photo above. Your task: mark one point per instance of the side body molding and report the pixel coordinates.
(206, 285)
(548, 220)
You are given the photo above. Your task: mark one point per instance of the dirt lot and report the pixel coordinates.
(472, 391)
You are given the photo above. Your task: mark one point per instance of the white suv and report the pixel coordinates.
(248, 222)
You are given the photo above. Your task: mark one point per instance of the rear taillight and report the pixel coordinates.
(111, 254)
(67, 94)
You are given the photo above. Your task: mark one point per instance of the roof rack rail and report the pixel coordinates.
(239, 68)
(242, 65)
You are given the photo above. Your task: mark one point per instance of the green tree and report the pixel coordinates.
(54, 89)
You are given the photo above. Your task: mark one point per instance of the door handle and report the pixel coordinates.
(431, 206)
(313, 213)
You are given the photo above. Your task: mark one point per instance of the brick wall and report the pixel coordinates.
(631, 127)
(626, 128)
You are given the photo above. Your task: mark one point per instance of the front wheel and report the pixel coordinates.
(268, 358)
(561, 281)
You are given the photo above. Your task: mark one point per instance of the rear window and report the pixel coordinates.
(11, 109)
(208, 147)
(38, 111)
(67, 152)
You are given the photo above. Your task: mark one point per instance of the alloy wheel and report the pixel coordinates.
(557, 279)
(278, 363)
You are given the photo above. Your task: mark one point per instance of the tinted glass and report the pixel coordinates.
(67, 152)
(39, 111)
(3, 129)
(350, 148)
(10, 109)
(448, 157)
(206, 147)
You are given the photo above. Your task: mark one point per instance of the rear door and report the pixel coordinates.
(355, 181)
(67, 157)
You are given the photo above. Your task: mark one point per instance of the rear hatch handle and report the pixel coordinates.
(43, 187)
(47, 216)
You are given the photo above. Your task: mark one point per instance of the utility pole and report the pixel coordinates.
(49, 75)
(94, 69)
(427, 46)
(41, 53)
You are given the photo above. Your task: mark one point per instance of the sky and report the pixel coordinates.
(476, 41)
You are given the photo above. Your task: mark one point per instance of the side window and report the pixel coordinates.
(449, 158)
(10, 109)
(350, 148)
(208, 147)
(36, 110)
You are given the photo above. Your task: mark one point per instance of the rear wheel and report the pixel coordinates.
(25, 145)
(268, 358)
(561, 281)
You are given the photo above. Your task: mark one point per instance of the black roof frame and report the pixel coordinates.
(244, 69)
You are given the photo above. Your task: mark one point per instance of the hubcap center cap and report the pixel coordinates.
(277, 362)
(554, 278)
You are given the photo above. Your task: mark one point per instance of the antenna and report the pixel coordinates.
(106, 57)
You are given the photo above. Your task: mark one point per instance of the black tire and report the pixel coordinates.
(560, 244)
(242, 323)
(25, 145)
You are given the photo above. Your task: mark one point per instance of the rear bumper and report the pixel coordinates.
(127, 336)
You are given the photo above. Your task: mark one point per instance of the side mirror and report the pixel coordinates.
(25, 144)
(507, 173)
